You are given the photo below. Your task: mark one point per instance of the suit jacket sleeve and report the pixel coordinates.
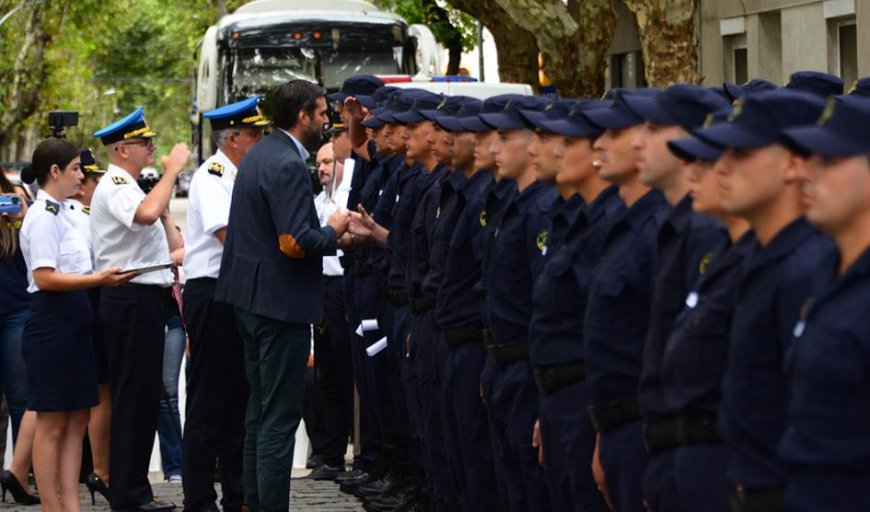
(291, 204)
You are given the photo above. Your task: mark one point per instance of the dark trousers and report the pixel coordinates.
(406, 447)
(217, 395)
(134, 326)
(513, 406)
(814, 489)
(369, 432)
(466, 430)
(334, 380)
(623, 459)
(569, 441)
(430, 355)
(699, 473)
(276, 354)
(659, 486)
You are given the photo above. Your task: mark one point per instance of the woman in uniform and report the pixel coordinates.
(57, 348)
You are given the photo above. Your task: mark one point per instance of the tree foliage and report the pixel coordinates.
(101, 58)
(452, 28)
(104, 58)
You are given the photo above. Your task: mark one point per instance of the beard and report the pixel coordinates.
(312, 135)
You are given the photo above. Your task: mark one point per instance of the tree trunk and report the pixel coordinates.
(573, 40)
(668, 40)
(517, 49)
(28, 74)
(452, 37)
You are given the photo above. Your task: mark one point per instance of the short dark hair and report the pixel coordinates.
(293, 97)
(51, 151)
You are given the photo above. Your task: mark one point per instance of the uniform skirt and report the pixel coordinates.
(58, 352)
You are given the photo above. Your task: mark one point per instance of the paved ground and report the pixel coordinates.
(305, 495)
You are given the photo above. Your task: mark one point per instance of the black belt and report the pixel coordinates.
(766, 500)
(505, 353)
(553, 378)
(419, 304)
(456, 336)
(398, 297)
(661, 435)
(610, 415)
(680, 431)
(361, 268)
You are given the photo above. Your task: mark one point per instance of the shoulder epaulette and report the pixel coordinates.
(119, 180)
(216, 168)
(52, 207)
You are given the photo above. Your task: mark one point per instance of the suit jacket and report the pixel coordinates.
(273, 256)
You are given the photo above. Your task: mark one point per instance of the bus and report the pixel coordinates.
(265, 43)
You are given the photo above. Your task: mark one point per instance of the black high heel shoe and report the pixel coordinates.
(8, 482)
(95, 484)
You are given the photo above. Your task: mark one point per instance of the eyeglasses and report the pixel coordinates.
(148, 143)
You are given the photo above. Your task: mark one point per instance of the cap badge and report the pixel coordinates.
(828, 113)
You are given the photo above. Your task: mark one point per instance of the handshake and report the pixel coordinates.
(358, 226)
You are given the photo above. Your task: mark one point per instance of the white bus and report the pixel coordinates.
(265, 43)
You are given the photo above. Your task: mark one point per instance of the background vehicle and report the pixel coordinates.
(265, 43)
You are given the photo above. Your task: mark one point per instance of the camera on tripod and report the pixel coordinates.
(59, 120)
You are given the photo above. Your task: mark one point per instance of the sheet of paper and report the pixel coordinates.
(376, 347)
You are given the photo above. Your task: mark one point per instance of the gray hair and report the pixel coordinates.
(219, 137)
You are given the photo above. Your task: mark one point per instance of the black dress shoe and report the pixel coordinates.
(313, 461)
(151, 506)
(348, 485)
(353, 475)
(326, 472)
(380, 487)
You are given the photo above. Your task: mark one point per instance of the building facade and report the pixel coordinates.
(743, 39)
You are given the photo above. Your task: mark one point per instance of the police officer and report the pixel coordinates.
(100, 420)
(684, 241)
(512, 256)
(424, 337)
(693, 360)
(216, 385)
(56, 341)
(457, 312)
(379, 379)
(825, 446)
(760, 181)
(125, 232)
(575, 244)
(617, 313)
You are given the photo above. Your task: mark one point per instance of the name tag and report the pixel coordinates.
(692, 300)
(798, 329)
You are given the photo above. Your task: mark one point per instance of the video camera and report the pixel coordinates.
(58, 120)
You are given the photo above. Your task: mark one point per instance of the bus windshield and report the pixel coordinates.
(337, 66)
(256, 70)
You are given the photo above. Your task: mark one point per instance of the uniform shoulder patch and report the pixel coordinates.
(86, 209)
(52, 207)
(541, 239)
(216, 168)
(705, 262)
(482, 218)
(119, 180)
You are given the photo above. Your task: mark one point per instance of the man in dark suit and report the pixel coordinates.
(271, 273)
